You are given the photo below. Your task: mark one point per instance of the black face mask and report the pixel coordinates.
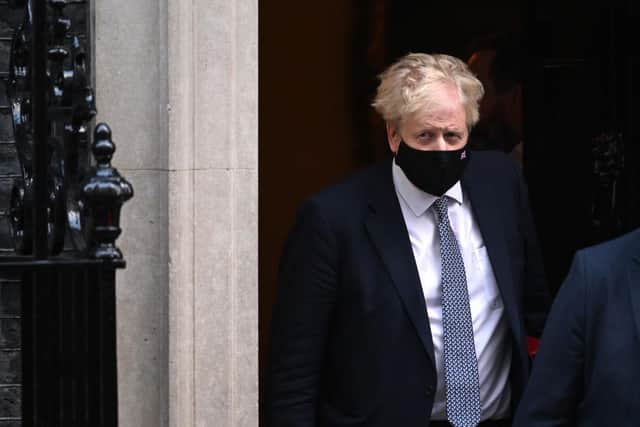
(433, 172)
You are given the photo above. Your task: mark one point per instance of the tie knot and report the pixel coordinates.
(441, 207)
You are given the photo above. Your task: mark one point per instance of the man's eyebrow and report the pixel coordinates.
(453, 129)
(444, 129)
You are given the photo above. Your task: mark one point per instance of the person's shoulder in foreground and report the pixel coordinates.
(587, 369)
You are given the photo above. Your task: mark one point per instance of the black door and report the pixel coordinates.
(581, 142)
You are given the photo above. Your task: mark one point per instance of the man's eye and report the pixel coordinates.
(452, 135)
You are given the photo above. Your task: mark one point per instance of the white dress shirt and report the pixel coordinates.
(492, 343)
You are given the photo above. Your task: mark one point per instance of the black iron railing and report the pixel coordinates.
(65, 216)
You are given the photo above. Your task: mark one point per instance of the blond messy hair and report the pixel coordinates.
(407, 85)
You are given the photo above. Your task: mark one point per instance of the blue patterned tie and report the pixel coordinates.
(460, 363)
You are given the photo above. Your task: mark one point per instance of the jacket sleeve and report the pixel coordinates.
(555, 387)
(536, 292)
(302, 313)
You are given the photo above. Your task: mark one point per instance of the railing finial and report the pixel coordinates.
(103, 195)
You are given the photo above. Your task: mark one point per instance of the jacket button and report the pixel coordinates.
(430, 390)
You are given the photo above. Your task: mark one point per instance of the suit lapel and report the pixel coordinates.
(389, 235)
(487, 211)
(634, 287)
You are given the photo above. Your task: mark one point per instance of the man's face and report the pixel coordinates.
(441, 125)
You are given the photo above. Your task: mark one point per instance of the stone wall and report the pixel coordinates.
(178, 83)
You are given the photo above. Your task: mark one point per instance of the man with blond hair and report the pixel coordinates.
(406, 292)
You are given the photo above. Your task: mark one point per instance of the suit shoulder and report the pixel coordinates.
(495, 168)
(490, 160)
(621, 247)
(349, 195)
(493, 157)
(352, 188)
(611, 258)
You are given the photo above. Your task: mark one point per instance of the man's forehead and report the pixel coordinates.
(440, 114)
(435, 122)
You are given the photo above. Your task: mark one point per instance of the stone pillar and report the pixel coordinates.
(177, 81)
(131, 95)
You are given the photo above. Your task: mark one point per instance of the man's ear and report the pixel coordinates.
(393, 137)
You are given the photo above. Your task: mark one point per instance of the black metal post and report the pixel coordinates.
(39, 107)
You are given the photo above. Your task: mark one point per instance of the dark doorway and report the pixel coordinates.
(582, 160)
(579, 77)
(318, 68)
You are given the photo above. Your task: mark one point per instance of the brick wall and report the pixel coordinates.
(10, 371)
(9, 352)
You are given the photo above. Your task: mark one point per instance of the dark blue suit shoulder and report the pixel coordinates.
(612, 255)
(493, 162)
(606, 261)
(350, 196)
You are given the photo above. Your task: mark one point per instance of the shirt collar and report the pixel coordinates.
(418, 200)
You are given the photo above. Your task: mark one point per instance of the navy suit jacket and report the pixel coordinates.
(351, 343)
(587, 370)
